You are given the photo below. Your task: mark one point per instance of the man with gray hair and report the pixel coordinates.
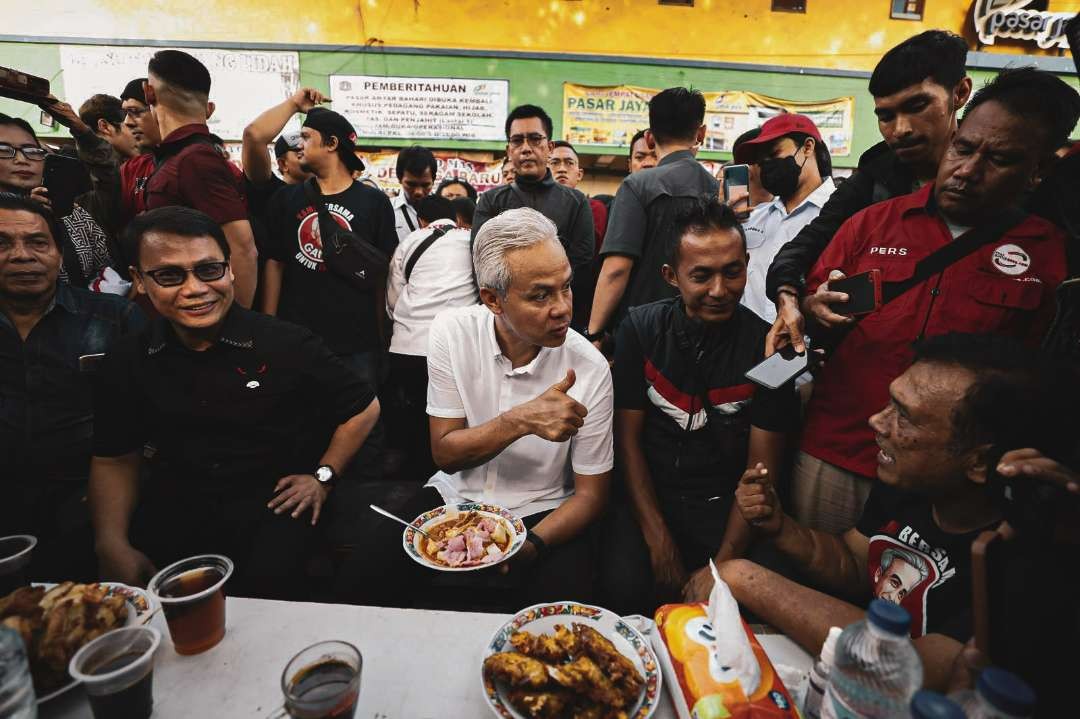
(520, 411)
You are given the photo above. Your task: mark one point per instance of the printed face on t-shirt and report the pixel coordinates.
(902, 574)
(309, 235)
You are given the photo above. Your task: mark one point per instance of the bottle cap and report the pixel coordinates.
(889, 617)
(828, 649)
(931, 705)
(1006, 691)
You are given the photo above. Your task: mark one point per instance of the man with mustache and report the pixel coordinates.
(918, 87)
(687, 421)
(1006, 286)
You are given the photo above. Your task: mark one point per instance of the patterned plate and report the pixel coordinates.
(542, 618)
(410, 538)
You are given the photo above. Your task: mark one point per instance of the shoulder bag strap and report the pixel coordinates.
(953, 252)
(326, 223)
(428, 242)
(408, 220)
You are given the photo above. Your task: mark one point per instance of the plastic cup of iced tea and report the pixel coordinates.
(15, 554)
(323, 681)
(117, 671)
(192, 595)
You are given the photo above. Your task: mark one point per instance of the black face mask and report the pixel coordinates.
(780, 175)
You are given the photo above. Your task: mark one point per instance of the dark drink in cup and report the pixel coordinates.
(117, 670)
(15, 554)
(323, 682)
(192, 596)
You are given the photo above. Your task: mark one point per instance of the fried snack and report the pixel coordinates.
(542, 705)
(517, 670)
(566, 640)
(622, 672)
(584, 677)
(55, 624)
(543, 647)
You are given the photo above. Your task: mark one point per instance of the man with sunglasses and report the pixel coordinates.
(529, 147)
(51, 335)
(250, 419)
(135, 172)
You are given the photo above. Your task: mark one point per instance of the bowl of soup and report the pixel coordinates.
(464, 537)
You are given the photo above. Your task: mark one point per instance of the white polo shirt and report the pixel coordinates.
(442, 278)
(769, 228)
(405, 219)
(469, 377)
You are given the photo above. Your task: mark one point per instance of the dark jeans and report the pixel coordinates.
(384, 575)
(180, 519)
(406, 416)
(366, 465)
(56, 513)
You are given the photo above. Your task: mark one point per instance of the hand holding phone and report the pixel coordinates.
(781, 367)
(736, 188)
(863, 291)
(65, 178)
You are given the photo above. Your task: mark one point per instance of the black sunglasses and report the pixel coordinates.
(175, 276)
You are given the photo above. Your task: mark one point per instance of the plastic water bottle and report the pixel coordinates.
(931, 705)
(819, 675)
(999, 695)
(17, 700)
(876, 669)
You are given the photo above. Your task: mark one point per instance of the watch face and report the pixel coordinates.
(324, 474)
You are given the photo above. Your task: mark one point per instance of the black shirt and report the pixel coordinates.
(667, 364)
(259, 404)
(311, 296)
(915, 564)
(46, 397)
(642, 222)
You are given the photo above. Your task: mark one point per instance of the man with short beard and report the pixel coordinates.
(1000, 152)
(51, 336)
(297, 285)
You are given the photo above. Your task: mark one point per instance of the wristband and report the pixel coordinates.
(540, 544)
(787, 291)
(593, 336)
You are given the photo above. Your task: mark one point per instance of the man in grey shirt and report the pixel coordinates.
(642, 220)
(528, 146)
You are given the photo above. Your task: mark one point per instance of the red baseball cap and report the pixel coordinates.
(776, 127)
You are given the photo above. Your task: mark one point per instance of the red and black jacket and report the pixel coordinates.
(688, 378)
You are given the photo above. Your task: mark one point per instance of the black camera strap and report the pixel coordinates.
(936, 262)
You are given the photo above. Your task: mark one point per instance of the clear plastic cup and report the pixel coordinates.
(15, 554)
(192, 595)
(117, 670)
(323, 681)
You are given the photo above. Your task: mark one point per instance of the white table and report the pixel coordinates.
(417, 664)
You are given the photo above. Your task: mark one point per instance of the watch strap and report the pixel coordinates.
(538, 542)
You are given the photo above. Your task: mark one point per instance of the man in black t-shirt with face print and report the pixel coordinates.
(965, 398)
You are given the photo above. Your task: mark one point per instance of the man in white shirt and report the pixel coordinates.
(796, 168)
(431, 271)
(416, 170)
(521, 410)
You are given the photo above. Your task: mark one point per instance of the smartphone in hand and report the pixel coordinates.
(65, 178)
(863, 291)
(736, 178)
(781, 367)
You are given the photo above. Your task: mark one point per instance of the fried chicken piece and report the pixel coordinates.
(543, 647)
(584, 677)
(567, 641)
(622, 672)
(20, 611)
(543, 705)
(517, 670)
(75, 614)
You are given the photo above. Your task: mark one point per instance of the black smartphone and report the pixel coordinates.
(65, 178)
(736, 177)
(781, 367)
(863, 291)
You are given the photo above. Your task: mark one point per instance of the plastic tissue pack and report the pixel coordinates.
(714, 665)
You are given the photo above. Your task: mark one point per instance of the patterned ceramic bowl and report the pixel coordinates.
(542, 618)
(411, 539)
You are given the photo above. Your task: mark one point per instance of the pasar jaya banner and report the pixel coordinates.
(609, 116)
(480, 174)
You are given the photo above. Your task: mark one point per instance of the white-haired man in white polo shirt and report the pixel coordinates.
(520, 411)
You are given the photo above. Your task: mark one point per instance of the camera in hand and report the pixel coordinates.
(23, 86)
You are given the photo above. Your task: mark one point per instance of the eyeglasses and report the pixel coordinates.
(533, 138)
(175, 276)
(32, 153)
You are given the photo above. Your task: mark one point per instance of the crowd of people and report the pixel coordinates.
(202, 358)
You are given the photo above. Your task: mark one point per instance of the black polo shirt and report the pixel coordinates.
(259, 404)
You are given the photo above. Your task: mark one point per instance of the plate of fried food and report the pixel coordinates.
(56, 621)
(570, 661)
(464, 537)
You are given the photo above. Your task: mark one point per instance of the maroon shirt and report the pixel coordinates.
(197, 175)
